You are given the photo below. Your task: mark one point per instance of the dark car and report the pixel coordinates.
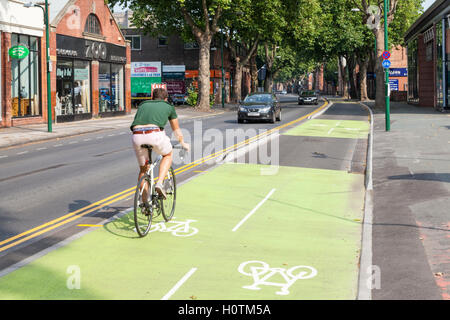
(308, 97)
(259, 106)
(178, 98)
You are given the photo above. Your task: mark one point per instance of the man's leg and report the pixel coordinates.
(143, 170)
(164, 167)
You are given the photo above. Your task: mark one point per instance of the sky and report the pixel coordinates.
(427, 4)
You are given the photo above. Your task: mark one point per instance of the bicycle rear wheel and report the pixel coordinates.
(143, 207)
(168, 205)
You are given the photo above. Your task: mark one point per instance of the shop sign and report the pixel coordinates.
(73, 47)
(174, 68)
(146, 69)
(398, 72)
(19, 52)
(81, 74)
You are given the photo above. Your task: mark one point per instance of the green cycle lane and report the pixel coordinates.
(301, 240)
(352, 129)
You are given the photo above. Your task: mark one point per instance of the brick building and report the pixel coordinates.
(428, 41)
(90, 63)
(91, 56)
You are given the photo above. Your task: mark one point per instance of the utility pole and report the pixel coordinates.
(223, 75)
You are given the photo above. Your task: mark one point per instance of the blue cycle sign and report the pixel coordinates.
(19, 52)
(386, 64)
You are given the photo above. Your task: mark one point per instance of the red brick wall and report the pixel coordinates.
(108, 27)
(426, 76)
(399, 59)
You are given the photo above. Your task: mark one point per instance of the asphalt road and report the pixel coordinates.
(45, 181)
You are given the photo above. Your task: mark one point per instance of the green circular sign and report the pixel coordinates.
(19, 52)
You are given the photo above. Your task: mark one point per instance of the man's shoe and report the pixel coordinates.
(160, 189)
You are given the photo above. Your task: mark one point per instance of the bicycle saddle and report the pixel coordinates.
(147, 146)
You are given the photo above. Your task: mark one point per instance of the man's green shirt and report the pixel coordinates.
(154, 112)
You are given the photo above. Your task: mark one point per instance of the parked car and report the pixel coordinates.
(179, 98)
(259, 106)
(308, 97)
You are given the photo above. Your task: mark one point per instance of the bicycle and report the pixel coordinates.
(144, 211)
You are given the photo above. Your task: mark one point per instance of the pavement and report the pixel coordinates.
(20, 135)
(411, 225)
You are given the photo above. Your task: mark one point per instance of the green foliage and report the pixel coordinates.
(192, 96)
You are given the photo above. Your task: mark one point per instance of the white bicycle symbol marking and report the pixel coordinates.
(178, 228)
(260, 271)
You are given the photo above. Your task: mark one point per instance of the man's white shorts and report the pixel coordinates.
(159, 140)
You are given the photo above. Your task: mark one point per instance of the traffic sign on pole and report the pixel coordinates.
(386, 55)
(386, 64)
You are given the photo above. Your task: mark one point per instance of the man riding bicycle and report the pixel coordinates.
(148, 129)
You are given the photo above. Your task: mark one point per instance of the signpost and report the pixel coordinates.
(386, 69)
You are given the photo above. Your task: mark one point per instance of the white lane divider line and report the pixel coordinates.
(1, 157)
(89, 139)
(179, 284)
(254, 210)
(330, 131)
(23, 152)
(72, 142)
(39, 149)
(57, 145)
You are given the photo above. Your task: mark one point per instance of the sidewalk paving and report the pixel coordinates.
(411, 227)
(24, 134)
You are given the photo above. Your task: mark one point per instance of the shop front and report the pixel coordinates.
(21, 65)
(428, 42)
(78, 88)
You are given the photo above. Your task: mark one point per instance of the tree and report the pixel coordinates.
(191, 18)
(400, 15)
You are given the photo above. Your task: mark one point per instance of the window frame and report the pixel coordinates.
(132, 36)
(39, 71)
(92, 17)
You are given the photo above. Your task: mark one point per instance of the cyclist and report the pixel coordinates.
(148, 128)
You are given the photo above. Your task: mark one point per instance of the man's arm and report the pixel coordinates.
(176, 129)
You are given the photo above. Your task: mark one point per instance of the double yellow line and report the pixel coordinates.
(53, 224)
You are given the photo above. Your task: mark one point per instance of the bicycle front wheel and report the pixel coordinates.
(168, 205)
(143, 206)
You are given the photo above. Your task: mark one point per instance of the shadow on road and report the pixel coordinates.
(441, 177)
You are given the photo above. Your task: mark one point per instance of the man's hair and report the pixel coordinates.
(160, 94)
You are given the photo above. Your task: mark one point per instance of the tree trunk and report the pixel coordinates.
(268, 81)
(352, 78)
(237, 82)
(254, 74)
(380, 101)
(363, 66)
(344, 83)
(204, 74)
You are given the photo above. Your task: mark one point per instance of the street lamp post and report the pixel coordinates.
(47, 42)
(386, 48)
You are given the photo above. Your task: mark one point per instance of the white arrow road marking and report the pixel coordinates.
(254, 210)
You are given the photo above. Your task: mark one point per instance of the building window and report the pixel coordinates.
(162, 41)
(25, 82)
(73, 87)
(135, 42)
(111, 87)
(92, 25)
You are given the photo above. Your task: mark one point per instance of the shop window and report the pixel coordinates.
(111, 87)
(73, 87)
(135, 42)
(25, 82)
(92, 25)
